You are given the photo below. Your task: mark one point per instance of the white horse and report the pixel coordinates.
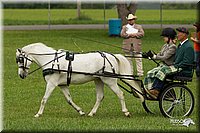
(47, 57)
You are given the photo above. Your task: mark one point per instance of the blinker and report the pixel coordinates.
(69, 56)
(20, 60)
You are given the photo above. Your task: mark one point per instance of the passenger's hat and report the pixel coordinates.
(183, 29)
(169, 32)
(131, 16)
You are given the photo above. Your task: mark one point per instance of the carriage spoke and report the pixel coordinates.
(169, 110)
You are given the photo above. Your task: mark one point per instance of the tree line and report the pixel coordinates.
(55, 6)
(95, 5)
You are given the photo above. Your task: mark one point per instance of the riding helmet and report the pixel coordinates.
(169, 32)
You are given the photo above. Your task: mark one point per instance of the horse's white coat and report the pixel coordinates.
(89, 63)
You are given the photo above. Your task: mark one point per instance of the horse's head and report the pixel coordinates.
(23, 62)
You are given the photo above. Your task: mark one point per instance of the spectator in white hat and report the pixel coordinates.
(132, 34)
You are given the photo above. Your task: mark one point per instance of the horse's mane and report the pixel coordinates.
(37, 47)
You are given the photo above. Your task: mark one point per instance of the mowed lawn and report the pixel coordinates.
(22, 97)
(68, 16)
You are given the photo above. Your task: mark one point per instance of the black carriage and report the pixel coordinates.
(175, 100)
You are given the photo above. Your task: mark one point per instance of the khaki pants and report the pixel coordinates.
(138, 61)
(138, 57)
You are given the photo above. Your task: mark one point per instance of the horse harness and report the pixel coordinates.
(70, 57)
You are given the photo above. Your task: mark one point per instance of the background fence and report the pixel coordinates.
(66, 13)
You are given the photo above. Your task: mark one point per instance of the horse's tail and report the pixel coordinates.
(124, 65)
(125, 69)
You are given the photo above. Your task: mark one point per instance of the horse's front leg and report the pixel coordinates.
(49, 89)
(112, 83)
(68, 97)
(99, 96)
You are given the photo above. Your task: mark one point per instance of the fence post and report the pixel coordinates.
(104, 14)
(161, 25)
(49, 15)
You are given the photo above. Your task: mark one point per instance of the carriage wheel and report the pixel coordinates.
(153, 107)
(176, 100)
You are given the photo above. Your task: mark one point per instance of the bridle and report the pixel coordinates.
(23, 59)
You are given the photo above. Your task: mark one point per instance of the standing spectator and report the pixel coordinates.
(196, 39)
(132, 34)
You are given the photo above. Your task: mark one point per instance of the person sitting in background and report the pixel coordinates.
(196, 40)
(183, 57)
(166, 55)
(132, 34)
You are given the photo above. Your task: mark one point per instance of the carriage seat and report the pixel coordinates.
(178, 78)
(182, 78)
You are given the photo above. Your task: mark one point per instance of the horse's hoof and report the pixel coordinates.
(37, 115)
(81, 113)
(127, 114)
(90, 115)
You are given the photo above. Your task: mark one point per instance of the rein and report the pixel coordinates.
(42, 65)
(45, 54)
(46, 63)
(104, 74)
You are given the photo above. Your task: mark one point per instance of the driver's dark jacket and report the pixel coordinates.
(184, 56)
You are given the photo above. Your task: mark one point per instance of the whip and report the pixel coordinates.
(108, 44)
(101, 42)
(77, 45)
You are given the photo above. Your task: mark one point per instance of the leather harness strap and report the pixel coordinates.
(105, 58)
(70, 58)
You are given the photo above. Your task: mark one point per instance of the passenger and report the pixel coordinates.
(132, 34)
(196, 40)
(166, 55)
(184, 56)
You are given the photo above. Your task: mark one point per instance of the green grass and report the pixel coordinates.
(22, 97)
(68, 16)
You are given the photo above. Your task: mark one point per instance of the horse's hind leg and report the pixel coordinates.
(68, 97)
(99, 96)
(49, 89)
(112, 83)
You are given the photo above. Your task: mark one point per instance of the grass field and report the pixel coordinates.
(22, 97)
(68, 16)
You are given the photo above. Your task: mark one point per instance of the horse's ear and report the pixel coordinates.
(19, 50)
